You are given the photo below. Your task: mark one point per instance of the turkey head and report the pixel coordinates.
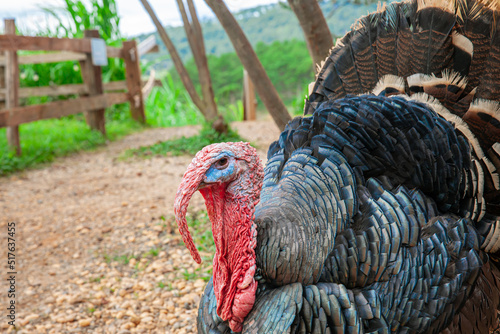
(229, 176)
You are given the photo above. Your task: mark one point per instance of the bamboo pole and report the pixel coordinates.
(316, 32)
(40, 43)
(36, 112)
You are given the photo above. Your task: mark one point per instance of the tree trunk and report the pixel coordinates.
(251, 63)
(318, 36)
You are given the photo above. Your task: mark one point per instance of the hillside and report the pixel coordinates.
(265, 24)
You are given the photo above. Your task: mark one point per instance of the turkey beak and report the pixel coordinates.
(191, 182)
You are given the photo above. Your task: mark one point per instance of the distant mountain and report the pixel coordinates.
(265, 24)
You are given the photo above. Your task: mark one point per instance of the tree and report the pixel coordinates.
(313, 23)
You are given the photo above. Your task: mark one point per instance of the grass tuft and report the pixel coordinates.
(152, 252)
(123, 259)
(183, 145)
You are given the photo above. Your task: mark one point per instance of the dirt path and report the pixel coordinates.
(94, 254)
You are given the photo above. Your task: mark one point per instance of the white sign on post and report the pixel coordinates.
(98, 51)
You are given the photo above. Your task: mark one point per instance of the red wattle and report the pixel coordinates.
(234, 261)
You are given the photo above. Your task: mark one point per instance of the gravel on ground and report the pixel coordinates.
(97, 247)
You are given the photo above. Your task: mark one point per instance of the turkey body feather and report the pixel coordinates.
(407, 261)
(379, 212)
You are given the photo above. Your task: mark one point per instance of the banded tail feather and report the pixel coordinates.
(445, 54)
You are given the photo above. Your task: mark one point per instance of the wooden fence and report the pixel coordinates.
(94, 96)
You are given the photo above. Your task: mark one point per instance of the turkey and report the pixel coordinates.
(379, 210)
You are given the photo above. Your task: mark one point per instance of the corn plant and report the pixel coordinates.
(73, 18)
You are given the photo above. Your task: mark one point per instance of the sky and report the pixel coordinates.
(134, 19)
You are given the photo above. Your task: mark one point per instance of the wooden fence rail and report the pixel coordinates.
(94, 95)
(74, 89)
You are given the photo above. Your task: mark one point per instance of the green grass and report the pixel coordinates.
(45, 140)
(169, 105)
(183, 145)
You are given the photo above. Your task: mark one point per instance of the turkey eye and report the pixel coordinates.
(222, 163)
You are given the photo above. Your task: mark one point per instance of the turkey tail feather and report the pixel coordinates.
(431, 44)
(462, 53)
(404, 38)
(477, 23)
(363, 47)
(489, 83)
(387, 27)
(445, 54)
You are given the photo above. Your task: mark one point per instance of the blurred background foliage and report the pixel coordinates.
(272, 29)
(287, 63)
(266, 24)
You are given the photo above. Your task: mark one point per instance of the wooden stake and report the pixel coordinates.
(133, 76)
(92, 77)
(249, 101)
(12, 86)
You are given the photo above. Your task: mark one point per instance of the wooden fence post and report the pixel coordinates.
(249, 101)
(2, 83)
(92, 77)
(11, 80)
(133, 75)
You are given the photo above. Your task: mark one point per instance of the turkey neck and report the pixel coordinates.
(231, 209)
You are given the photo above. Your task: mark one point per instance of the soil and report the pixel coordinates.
(84, 228)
